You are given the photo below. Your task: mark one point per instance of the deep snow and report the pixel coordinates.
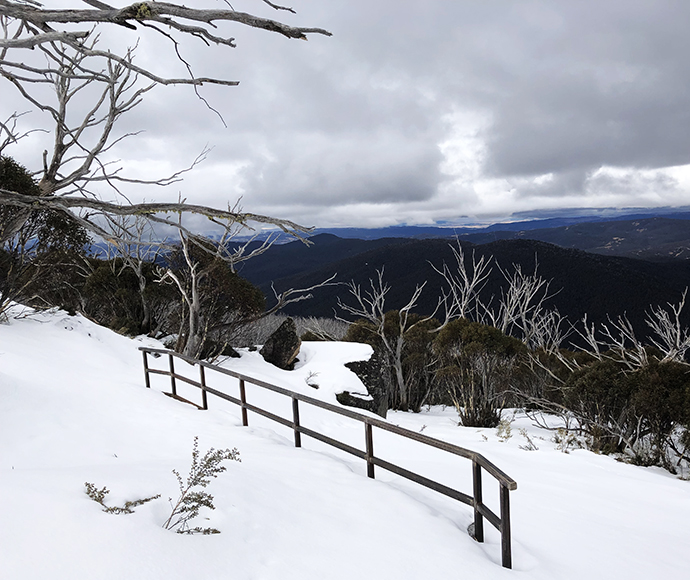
(73, 408)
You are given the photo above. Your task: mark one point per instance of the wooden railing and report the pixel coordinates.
(479, 462)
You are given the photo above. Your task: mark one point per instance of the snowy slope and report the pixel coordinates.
(73, 408)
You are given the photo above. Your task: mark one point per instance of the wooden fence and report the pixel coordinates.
(479, 462)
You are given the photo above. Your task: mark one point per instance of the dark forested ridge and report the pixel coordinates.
(584, 283)
(295, 257)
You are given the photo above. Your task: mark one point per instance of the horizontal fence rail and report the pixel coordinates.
(479, 462)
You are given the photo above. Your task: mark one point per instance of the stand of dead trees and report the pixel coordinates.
(613, 392)
(418, 348)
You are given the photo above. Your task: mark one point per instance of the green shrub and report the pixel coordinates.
(476, 364)
(643, 413)
(601, 395)
(39, 249)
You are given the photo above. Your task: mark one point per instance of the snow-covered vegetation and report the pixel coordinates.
(74, 409)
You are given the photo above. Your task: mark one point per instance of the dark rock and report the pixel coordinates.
(349, 400)
(282, 347)
(212, 349)
(231, 352)
(375, 376)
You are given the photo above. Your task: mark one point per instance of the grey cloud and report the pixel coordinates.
(633, 184)
(333, 169)
(357, 118)
(560, 185)
(611, 89)
(569, 86)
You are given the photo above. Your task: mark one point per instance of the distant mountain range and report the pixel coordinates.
(650, 238)
(517, 226)
(657, 238)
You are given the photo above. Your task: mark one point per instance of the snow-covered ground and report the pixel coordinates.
(73, 408)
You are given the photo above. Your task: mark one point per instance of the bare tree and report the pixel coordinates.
(203, 259)
(672, 339)
(521, 310)
(614, 342)
(73, 65)
(389, 327)
(92, 88)
(223, 253)
(465, 282)
(522, 305)
(616, 339)
(136, 245)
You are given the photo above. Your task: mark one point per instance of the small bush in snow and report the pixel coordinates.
(504, 431)
(98, 495)
(565, 440)
(192, 496)
(530, 445)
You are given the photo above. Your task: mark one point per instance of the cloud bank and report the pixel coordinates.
(426, 111)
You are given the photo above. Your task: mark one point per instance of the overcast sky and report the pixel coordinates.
(423, 111)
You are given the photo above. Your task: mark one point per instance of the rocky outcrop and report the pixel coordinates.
(374, 374)
(282, 347)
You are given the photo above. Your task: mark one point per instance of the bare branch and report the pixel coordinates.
(293, 295)
(671, 338)
(464, 283)
(12, 135)
(66, 203)
(547, 332)
(33, 41)
(277, 7)
(620, 337)
(148, 11)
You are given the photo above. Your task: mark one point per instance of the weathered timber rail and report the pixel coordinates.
(479, 462)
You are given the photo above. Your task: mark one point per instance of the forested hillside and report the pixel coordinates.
(600, 286)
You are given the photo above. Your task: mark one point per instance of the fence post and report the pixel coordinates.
(202, 377)
(506, 555)
(146, 370)
(477, 492)
(243, 399)
(172, 375)
(295, 419)
(369, 436)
